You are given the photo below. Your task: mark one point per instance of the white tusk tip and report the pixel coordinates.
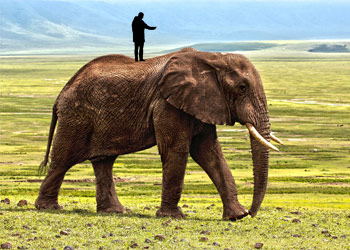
(259, 138)
(274, 138)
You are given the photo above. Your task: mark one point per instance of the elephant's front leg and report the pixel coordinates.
(106, 196)
(174, 165)
(173, 130)
(206, 151)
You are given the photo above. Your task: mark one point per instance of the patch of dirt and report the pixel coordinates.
(11, 162)
(296, 139)
(31, 96)
(27, 113)
(21, 132)
(232, 130)
(309, 102)
(79, 180)
(239, 150)
(334, 184)
(195, 172)
(249, 184)
(88, 180)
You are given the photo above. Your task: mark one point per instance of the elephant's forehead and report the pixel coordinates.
(238, 62)
(242, 75)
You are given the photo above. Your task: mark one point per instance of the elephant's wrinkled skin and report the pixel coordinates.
(113, 106)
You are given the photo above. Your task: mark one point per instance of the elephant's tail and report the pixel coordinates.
(43, 165)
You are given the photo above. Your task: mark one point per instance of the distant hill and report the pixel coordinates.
(88, 25)
(324, 48)
(234, 46)
(277, 46)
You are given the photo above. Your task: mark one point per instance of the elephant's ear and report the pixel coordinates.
(189, 83)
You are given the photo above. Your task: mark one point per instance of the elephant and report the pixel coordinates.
(114, 106)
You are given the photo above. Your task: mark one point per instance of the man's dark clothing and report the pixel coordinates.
(138, 30)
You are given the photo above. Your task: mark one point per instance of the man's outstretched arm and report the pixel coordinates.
(149, 27)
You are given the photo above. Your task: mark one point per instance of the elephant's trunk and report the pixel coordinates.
(260, 155)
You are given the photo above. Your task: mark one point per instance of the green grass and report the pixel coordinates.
(309, 104)
(273, 227)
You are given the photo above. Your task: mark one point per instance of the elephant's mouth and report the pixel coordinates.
(261, 139)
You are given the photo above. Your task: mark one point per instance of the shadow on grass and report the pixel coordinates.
(88, 213)
(84, 212)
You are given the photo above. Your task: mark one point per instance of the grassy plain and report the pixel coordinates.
(309, 180)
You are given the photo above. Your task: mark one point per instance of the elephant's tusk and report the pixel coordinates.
(259, 138)
(274, 138)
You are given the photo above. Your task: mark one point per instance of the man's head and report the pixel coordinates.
(140, 15)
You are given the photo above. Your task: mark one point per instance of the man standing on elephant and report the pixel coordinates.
(138, 30)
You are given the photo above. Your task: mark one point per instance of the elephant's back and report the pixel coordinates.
(109, 85)
(113, 58)
(100, 63)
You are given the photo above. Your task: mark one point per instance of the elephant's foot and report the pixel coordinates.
(113, 209)
(235, 212)
(174, 213)
(42, 203)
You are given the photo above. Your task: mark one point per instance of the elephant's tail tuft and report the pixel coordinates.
(43, 166)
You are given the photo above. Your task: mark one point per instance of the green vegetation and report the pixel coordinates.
(308, 197)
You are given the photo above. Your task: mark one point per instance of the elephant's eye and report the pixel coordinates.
(242, 88)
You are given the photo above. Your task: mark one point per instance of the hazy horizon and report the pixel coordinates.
(48, 25)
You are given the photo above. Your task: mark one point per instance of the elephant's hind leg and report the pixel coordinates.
(68, 149)
(49, 189)
(106, 196)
